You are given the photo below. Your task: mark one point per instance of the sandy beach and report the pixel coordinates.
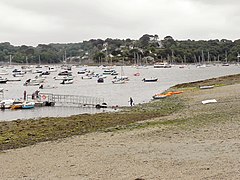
(202, 142)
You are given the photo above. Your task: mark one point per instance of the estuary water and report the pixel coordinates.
(113, 94)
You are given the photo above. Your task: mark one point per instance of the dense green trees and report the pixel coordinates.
(102, 51)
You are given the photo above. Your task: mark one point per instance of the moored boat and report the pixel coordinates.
(30, 82)
(162, 65)
(28, 105)
(46, 87)
(159, 96)
(206, 87)
(100, 80)
(14, 79)
(119, 81)
(86, 77)
(65, 73)
(4, 72)
(6, 104)
(16, 106)
(3, 80)
(67, 81)
(108, 71)
(150, 79)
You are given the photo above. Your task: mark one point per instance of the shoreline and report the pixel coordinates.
(21, 133)
(189, 141)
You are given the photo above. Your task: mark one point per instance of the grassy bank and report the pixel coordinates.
(22, 133)
(182, 111)
(224, 80)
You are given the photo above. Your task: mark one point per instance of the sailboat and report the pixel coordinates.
(26, 68)
(203, 64)
(39, 64)
(226, 62)
(139, 63)
(120, 79)
(238, 56)
(10, 62)
(183, 61)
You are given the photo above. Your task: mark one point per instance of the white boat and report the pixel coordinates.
(52, 69)
(86, 77)
(63, 77)
(14, 79)
(82, 71)
(4, 72)
(118, 81)
(28, 105)
(31, 82)
(67, 81)
(225, 64)
(108, 71)
(46, 87)
(17, 73)
(182, 66)
(162, 65)
(3, 80)
(6, 104)
(206, 87)
(37, 71)
(201, 66)
(65, 73)
(39, 79)
(26, 69)
(141, 67)
(101, 76)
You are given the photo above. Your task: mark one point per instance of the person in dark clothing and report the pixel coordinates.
(33, 95)
(24, 95)
(131, 101)
(37, 93)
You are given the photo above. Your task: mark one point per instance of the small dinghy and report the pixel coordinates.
(150, 79)
(159, 96)
(28, 105)
(206, 87)
(67, 81)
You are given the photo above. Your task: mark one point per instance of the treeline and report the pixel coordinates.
(148, 47)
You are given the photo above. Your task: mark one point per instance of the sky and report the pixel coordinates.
(33, 22)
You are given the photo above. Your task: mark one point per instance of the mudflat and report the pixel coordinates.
(197, 142)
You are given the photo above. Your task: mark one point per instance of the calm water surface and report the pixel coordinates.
(113, 94)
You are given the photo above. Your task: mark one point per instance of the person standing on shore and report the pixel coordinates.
(131, 101)
(24, 95)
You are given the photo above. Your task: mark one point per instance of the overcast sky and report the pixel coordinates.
(32, 22)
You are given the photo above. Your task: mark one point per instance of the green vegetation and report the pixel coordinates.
(98, 51)
(26, 132)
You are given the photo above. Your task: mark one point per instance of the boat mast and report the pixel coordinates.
(26, 60)
(238, 56)
(203, 59)
(10, 59)
(39, 60)
(208, 57)
(226, 56)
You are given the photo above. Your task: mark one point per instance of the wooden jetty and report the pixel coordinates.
(68, 100)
